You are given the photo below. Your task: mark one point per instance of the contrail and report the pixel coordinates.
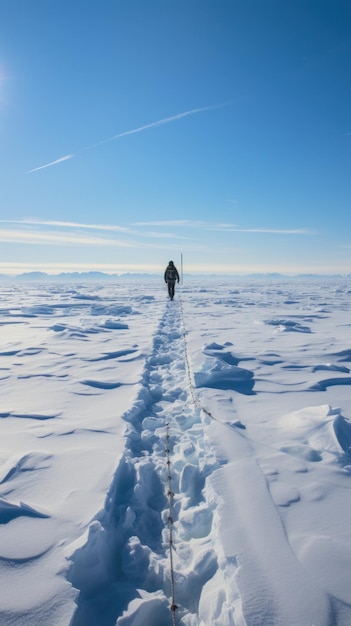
(42, 167)
(165, 120)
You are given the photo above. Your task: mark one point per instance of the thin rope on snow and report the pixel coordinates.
(170, 496)
(195, 400)
(170, 493)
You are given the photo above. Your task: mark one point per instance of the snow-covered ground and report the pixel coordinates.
(218, 423)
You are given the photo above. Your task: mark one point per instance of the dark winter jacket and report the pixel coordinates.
(171, 274)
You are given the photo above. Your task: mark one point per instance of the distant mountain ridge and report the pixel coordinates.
(102, 276)
(73, 276)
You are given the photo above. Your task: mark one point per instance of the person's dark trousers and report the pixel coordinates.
(171, 290)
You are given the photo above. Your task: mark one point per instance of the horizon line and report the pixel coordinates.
(156, 273)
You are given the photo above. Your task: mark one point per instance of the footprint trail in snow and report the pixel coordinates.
(123, 571)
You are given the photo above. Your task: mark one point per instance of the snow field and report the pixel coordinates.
(248, 389)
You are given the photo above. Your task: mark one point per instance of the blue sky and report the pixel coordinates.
(132, 132)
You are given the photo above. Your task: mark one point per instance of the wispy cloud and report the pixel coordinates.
(158, 235)
(269, 231)
(179, 223)
(133, 131)
(58, 232)
(224, 227)
(35, 235)
(46, 238)
(33, 222)
(36, 222)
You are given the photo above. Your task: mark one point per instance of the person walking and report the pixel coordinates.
(171, 276)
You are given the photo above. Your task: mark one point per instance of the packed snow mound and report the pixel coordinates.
(149, 608)
(287, 325)
(220, 370)
(226, 377)
(318, 429)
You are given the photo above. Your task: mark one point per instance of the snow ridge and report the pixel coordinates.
(123, 569)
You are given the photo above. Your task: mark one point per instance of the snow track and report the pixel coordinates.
(123, 571)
